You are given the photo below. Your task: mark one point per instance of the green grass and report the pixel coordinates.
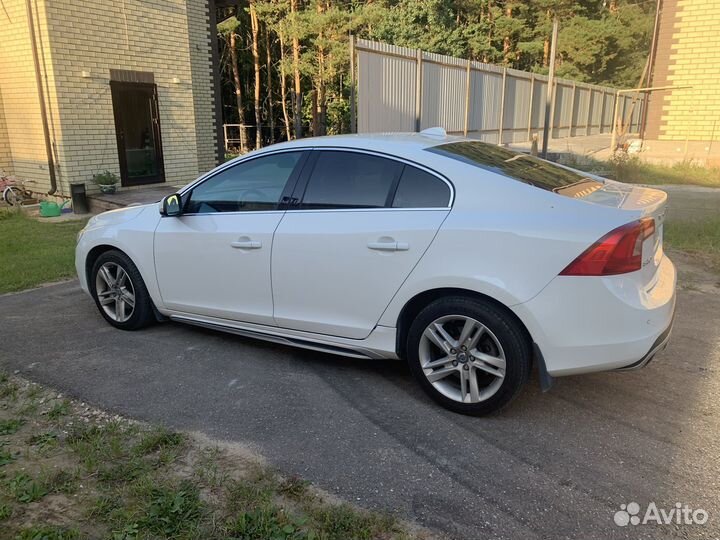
(72, 475)
(26, 489)
(700, 238)
(33, 252)
(48, 533)
(630, 169)
(10, 425)
(58, 410)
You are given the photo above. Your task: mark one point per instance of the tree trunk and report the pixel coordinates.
(507, 43)
(319, 105)
(283, 88)
(238, 91)
(315, 119)
(297, 93)
(491, 24)
(271, 113)
(255, 29)
(546, 52)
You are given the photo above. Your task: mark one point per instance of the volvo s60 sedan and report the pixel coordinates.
(471, 262)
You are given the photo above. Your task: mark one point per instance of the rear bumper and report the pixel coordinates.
(659, 345)
(583, 324)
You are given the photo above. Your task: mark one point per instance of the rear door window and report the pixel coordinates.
(350, 180)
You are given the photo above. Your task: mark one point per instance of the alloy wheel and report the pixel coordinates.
(462, 359)
(115, 292)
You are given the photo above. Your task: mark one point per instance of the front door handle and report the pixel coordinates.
(246, 244)
(390, 245)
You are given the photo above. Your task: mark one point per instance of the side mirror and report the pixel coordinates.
(171, 205)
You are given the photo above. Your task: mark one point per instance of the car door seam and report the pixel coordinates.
(272, 251)
(155, 271)
(437, 231)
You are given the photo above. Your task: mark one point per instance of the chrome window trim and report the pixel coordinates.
(320, 210)
(242, 159)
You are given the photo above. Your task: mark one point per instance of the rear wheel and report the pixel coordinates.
(119, 291)
(468, 355)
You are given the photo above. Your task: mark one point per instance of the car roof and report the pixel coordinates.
(389, 143)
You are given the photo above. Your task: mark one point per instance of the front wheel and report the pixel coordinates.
(13, 196)
(468, 355)
(119, 291)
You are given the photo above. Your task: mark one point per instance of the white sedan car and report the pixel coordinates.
(468, 260)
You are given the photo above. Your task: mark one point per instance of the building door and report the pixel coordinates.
(137, 127)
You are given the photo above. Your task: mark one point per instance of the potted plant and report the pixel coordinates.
(106, 181)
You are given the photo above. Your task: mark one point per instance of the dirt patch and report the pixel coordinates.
(694, 273)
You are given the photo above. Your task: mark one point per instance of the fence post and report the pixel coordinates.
(550, 98)
(467, 98)
(572, 110)
(530, 108)
(551, 126)
(353, 119)
(418, 90)
(602, 111)
(225, 135)
(613, 138)
(502, 107)
(588, 123)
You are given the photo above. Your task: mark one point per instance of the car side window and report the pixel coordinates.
(249, 186)
(350, 180)
(419, 189)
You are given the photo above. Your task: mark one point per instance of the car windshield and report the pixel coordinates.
(520, 167)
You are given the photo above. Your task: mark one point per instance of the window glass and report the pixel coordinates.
(419, 189)
(350, 180)
(517, 166)
(253, 185)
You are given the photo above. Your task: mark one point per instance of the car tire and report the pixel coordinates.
(125, 304)
(498, 360)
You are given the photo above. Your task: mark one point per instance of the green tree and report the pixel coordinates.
(305, 47)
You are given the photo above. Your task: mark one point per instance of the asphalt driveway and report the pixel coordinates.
(555, 465)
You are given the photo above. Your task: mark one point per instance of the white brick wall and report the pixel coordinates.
(199, 36)
(6, 164)
(169, 38)
(22, 147)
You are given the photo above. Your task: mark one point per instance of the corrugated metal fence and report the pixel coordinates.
(401, 89)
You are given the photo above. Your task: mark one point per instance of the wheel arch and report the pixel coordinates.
(421, 300)
(93, 256)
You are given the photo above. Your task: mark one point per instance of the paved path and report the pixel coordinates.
(554, 465)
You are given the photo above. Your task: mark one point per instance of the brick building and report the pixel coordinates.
(687, 53)
(122, 85)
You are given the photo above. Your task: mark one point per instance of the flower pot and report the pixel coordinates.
(108, 188)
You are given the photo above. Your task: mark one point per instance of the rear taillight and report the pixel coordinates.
(618, 252)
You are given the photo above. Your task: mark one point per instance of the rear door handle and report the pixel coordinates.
(246, 244)
(389, 246)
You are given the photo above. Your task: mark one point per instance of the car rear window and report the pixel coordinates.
(517, 166)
